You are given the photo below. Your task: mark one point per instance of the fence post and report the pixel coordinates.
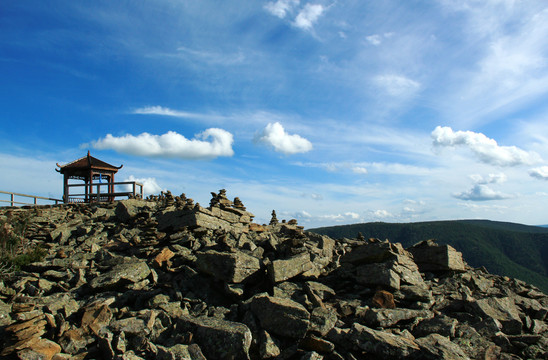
(11, 199)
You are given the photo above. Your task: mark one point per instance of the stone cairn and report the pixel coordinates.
(208, 283)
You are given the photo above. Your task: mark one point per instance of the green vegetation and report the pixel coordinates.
(15, 251)
(514, 250)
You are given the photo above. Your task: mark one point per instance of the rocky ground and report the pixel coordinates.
(165, 278)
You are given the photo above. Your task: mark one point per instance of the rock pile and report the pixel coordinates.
(169, 279)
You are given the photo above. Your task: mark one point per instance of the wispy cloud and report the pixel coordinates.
(163, 111)
(209, 144)
(275, 135)
(397, 85)
(487, 150)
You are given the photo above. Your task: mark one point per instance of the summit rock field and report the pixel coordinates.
(165, 278)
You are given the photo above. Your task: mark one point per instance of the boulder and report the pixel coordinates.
(121, 275)
(501, 309)
(437, 347)
(281, 316)
(383, 344)
(281, 270)
(389, 317)
(233, 267)
(219, 339)
(430, 256)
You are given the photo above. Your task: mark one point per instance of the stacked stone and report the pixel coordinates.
(238, 204)
(273, 219)
(169, 200)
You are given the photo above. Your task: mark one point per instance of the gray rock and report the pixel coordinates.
(437, 347)
(501, 309)
(322, 320)
(281, 270)
(382, 344)
(127, 209)
(442, 325)
(430, 256)
(280, 316)
(230, 267)
(389, 317)
(120, 275)
(219, 339)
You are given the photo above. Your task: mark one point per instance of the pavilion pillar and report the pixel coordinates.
(65, 189)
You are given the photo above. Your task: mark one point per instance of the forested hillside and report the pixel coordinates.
(509, 249)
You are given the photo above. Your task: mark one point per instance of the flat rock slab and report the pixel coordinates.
(281, 316)
(219, 339)
(121, 274)
(390, 317)
(437, 347)
(281, 270)
(382, 344)
(430, 256)
(501, 309)
(230, 267)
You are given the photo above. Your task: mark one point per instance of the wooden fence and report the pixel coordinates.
(14, 199)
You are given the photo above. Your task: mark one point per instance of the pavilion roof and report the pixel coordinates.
(88, 162)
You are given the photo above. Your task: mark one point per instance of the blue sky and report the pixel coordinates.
(330, 112)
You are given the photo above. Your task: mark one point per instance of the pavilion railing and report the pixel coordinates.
(101, 191)
(15, 201)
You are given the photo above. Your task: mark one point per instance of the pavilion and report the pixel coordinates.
(95, 173)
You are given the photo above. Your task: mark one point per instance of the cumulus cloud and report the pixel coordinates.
(539, 173)
(397, 85)
(381, 214)
(486, 149)
(150, 186)
(481, 192)
(308, 16)
(275, 135)
(280, 8)
(209, 144)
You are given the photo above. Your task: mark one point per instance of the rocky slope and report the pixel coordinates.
(169, 279)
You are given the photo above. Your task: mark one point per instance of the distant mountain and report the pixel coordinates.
(515, 250)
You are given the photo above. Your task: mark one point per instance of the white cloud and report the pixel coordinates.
(275, 135)
(397, 85)
(308, 16)
(539, 172)
(359, 170)
(352, 215)
(377, 39)
(381, 214)
(150, 186)
(209, 144)
(481, 192)
(486, 149)
(374, 39)
(491, 179)
(280, 8)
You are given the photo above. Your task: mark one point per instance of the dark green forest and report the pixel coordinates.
(514, 250)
